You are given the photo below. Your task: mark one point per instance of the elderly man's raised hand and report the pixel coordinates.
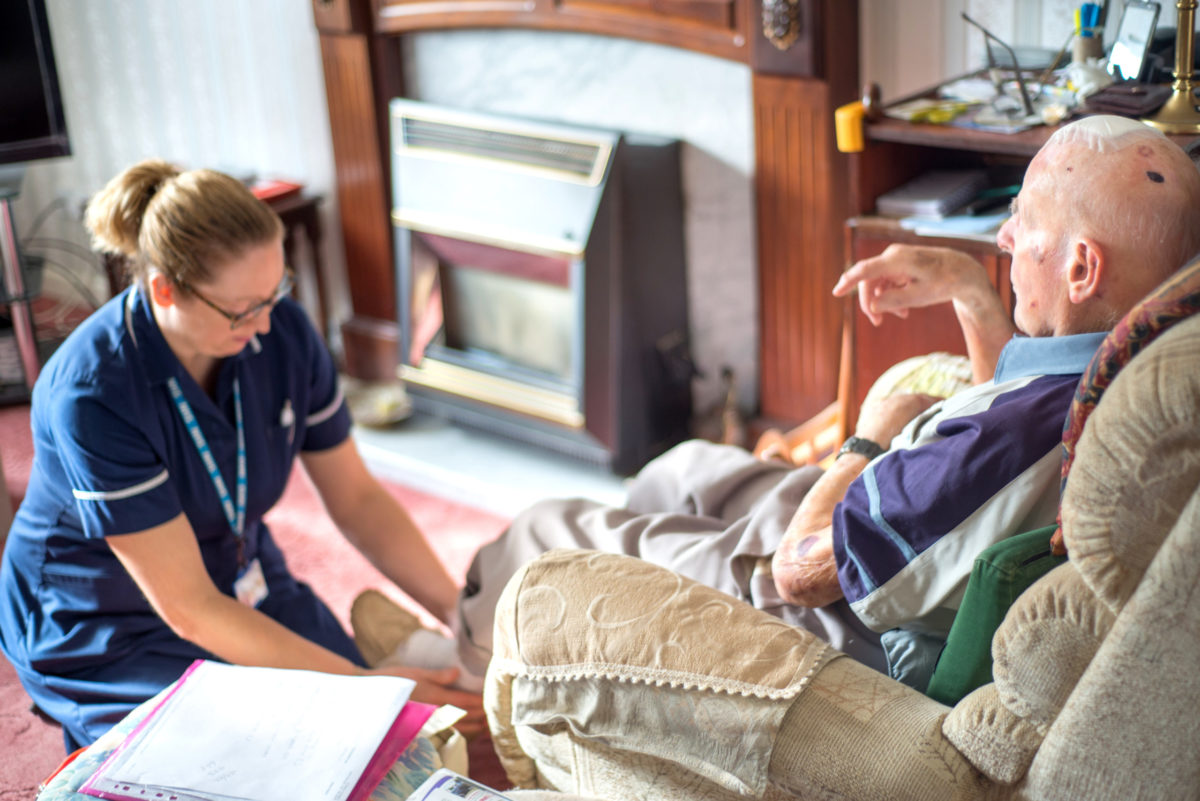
(907, 277)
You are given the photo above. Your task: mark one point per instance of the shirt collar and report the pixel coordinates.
(1067, 355)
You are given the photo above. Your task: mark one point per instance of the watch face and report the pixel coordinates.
(863, 447)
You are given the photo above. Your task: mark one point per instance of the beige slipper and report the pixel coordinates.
(380, 625)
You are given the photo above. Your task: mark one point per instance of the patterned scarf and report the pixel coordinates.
(1175, 299)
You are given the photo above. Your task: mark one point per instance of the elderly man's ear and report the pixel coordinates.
(1086, 272)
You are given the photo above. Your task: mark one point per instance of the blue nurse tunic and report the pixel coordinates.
(112, 456)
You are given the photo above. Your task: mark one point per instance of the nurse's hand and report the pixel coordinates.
(437, 687)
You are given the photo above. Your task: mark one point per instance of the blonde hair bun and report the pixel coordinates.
(183, 223)
(114, 215)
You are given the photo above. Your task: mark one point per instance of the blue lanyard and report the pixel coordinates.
(235, 515)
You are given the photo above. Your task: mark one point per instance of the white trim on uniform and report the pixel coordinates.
(128, 492)
(318, 417)
(130, 299)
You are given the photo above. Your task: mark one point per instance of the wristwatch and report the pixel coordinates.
(861, 446)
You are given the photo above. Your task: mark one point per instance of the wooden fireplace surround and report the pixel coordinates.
(804, 59)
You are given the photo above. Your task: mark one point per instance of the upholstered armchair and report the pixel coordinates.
(615, 679)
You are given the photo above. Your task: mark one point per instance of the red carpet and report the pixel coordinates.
(30, 748)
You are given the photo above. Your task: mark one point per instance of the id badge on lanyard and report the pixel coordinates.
(250, 586)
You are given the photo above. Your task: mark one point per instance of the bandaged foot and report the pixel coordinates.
(388, 635)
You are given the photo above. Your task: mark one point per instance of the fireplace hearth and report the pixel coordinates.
(542, 281)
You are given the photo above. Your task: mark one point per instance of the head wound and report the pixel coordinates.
(1104, 133)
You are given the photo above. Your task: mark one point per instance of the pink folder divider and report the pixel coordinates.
(408, 724)
(129, 738)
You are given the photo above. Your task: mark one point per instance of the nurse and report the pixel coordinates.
(164, 428)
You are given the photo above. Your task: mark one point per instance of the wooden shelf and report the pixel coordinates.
(879, 227)
(1023, 143)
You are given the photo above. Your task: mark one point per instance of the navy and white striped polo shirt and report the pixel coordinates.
(972, 470)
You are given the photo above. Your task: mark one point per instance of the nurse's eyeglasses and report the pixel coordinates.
(238, 318)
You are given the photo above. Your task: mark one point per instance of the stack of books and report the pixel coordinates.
(933, 194)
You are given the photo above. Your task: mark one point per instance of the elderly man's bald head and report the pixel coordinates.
(1127, 185)
(1108, 209)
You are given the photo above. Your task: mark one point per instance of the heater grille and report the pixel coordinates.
(579, 159)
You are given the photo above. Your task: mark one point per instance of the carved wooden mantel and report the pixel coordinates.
(804, 59)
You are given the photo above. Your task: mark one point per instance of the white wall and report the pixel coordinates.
(227, 84)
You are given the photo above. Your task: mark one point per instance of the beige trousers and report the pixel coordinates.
(713, 513)
(614, 678)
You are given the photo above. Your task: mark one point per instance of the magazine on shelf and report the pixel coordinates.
(979, 227)
(233, 733)
(446, 785)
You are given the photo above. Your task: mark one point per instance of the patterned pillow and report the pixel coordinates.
(1137, 465)
(1142, 445)
(939, 374)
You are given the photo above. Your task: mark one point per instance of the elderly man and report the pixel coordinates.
(1108, 209)
(882, 543)
(614, 677)
(611, 673)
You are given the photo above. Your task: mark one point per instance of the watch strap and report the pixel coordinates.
(862, 446)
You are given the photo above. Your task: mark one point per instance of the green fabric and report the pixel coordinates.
(999, 575)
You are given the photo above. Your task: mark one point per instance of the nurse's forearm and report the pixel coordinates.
(375, 523)
(240, 635)
(165, 563)
(385, 533)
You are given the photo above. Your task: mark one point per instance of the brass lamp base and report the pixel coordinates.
(1179, 114)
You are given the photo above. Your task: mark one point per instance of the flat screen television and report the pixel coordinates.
(32, 125)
